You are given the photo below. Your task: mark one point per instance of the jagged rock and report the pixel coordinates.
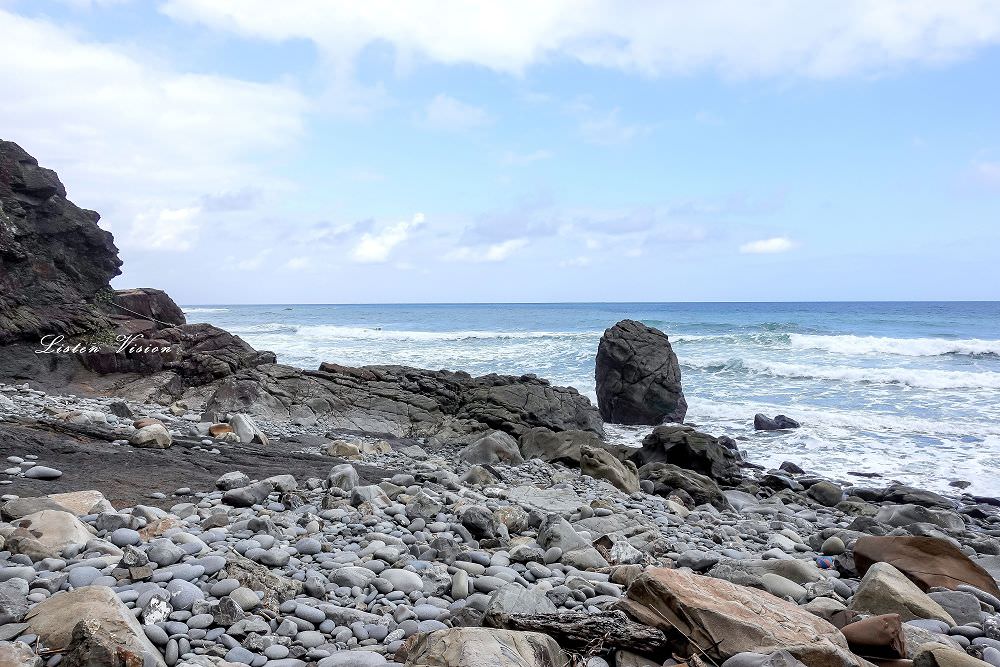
(576, 551)
(638, 377)
(108, 628)
(516, 599)
(601, 464)
(460, 647)
(56, 260)
(13, 601)
(762, 422)
(667, 478)
(153, 308)
(927, 561)
(687, 448)
(404, 401)
(343, 477)
(556, 447)
(724, 619)
(884, 590)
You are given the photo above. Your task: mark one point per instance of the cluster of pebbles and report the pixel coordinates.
(283, 572)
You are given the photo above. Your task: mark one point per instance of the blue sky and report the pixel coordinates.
(304, 151)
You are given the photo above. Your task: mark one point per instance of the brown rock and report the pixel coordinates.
(146, 421)
(722, 619)
(216, 430)
(927, 561)
(877, 637)
(884, 590)
(935, 654)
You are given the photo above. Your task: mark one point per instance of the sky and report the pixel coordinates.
(304, 151)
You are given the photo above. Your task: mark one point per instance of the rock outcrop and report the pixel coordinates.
(403, 401)
(55, 262)
(638, 376)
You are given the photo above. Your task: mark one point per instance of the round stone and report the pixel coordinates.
(124, 537)
(42, 472)
(403, 580)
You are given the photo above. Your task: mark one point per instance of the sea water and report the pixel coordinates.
(910, 391)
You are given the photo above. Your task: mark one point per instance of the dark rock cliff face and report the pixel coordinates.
(55, 262)
(638, 376)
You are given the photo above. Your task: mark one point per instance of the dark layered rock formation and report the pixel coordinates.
(405, 401)
(638, 376)
(683, 446)
(55, 262)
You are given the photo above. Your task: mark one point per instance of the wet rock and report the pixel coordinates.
(687, 448)
(667, 478)
(762, 422)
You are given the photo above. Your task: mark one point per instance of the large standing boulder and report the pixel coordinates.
(638, 376)
(495, 447)
(884, 590)
(690, 449)
(927, 561)
(722, 619)
(94, 627)
(459, 647)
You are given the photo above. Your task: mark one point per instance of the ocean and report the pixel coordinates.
(910, 391)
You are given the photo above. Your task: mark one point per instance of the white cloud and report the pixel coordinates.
(496, 252)
(987, 173)
(375, 247)
(609, 130)
(298, 263)
(576, 262)
(446, 113)
(824, 38)
(768, 246)
(167, 229)
(129, 135)
(513, 158)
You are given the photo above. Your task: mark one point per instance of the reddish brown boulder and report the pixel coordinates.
(718, 619)
(877, 637)
(926, 561)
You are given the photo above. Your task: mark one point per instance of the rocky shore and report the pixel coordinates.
(201, 504)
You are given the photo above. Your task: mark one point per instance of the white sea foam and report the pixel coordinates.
(910, 347)
(335, 332)
(927, 378)
(204, 310)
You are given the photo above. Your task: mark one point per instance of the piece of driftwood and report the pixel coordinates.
(585, 633)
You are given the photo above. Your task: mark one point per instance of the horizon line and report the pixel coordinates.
(598, 303)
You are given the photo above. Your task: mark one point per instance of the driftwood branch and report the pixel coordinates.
(590, 634)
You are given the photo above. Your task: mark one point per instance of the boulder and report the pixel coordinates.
(148, 305)
(247, 430)
(47, 534)
(638, 376)
(877, 637)
(77, 503)
(762, 422)
(154, 436)
(516, 599)
(94, 627)
(601, 464)
(18, 654)
(723, 619)
(936, 654)
(884, 590)
(927, 561)
(576, 550)
(826, 493)
(556, 447)
(906, 515)
(667, 478)
(687, 448)
(495, 447)
(460, 647)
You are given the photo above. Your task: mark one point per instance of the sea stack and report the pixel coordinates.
(638, 376)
